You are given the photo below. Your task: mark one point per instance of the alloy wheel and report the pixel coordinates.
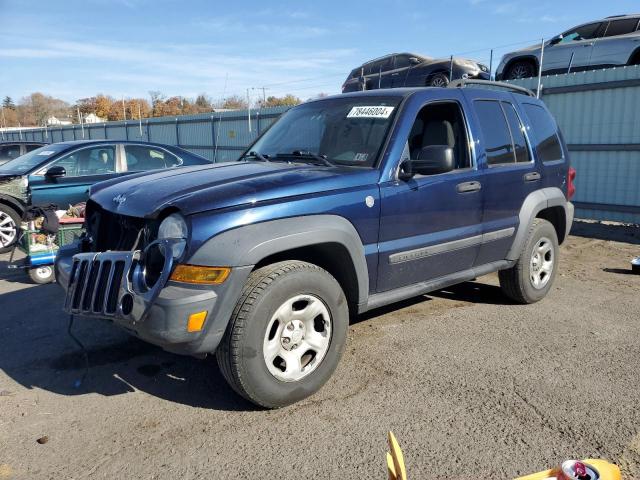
(8, 230)
(542, 263)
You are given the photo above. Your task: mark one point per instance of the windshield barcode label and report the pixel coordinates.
(370, 112)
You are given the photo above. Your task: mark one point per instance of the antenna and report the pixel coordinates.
(215, 148)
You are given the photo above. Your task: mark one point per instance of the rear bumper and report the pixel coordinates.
(158, 316)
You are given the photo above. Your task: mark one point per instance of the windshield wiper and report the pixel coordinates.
(258, 155)
(306, 155)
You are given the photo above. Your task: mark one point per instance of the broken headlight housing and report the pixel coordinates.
(175, 227)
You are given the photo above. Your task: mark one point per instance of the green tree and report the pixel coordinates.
(8, 103)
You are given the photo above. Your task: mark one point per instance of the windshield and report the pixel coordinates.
(346, 131)
(31, 160)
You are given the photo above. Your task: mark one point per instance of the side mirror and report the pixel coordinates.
(414, 61)
(431, 160)
(54, 172)
(555, 40)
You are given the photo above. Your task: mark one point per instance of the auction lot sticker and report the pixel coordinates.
(370, 112)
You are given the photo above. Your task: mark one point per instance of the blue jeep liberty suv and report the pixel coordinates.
(345, 204)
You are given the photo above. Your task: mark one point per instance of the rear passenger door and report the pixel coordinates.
(617, 44)
(510, 171)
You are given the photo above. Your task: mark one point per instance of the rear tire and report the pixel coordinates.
(531, 278)
(9, 224)
(42, 275)
(286, 334)
(521, 69)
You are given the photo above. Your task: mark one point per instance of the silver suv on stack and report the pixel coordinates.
(611, 42)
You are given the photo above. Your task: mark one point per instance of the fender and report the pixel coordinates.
(13, 202)
(534, 204)
(248, 245)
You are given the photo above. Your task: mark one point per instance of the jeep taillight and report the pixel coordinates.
(571, 188)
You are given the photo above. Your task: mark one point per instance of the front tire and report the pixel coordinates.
(531, 278)
(439, 80)
(286, 334)
(521, 69)
(9, 224)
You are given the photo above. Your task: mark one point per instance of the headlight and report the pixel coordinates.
(175, 227)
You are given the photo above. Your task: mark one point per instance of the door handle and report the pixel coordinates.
(531, 177)
(395, 74)
(588, 45)
(468, 187)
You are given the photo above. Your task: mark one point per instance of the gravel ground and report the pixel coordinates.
(472, 386)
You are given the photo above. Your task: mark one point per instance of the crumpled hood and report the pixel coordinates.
(12, 185)
(202, 188)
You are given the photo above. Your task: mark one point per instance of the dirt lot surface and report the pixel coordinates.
(472, 386)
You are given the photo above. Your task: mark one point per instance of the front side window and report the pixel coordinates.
(88, 161)
(546, 133)
(347, 131)
(585, 32)
(141, 158)
(440, 124)
(402, 61)
(621, 27)
(495, 132)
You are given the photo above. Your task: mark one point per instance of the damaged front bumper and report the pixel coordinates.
(114, 285)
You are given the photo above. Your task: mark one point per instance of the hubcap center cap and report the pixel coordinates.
(292, 334)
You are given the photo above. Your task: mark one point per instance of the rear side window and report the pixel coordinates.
(140, 158)
(495, 132)
(517, 133)
(621, 27)
(546, 133)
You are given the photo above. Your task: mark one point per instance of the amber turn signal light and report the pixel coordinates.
(196, 321)
(200, 275)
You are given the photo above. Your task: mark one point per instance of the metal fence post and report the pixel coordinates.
(148, 131)
(540, 68)
(177, 133)
(451, 69)
(491, 65)
(126, 130)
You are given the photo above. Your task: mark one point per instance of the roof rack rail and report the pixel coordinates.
(463, 82)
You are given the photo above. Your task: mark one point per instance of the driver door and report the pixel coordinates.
(84, 167)
(578, 43)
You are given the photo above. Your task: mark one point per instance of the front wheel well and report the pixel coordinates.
(14, 205)
(558, 218)
(333, 257)
(532, 60)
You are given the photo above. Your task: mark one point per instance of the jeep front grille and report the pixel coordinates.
(94, 285)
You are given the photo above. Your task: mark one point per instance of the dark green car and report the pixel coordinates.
(61, 174)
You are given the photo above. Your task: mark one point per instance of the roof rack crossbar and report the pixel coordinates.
(463, 82)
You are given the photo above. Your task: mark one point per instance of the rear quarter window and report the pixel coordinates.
(545, 133)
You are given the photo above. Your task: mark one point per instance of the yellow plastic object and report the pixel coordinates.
(196, 321)
(395, 460)
(200, 275)
(607, 471)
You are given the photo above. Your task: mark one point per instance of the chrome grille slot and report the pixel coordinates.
(90, 286)
(105, 273)
(114, 288)
(79, 285)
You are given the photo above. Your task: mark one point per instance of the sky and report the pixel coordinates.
(73, 49)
